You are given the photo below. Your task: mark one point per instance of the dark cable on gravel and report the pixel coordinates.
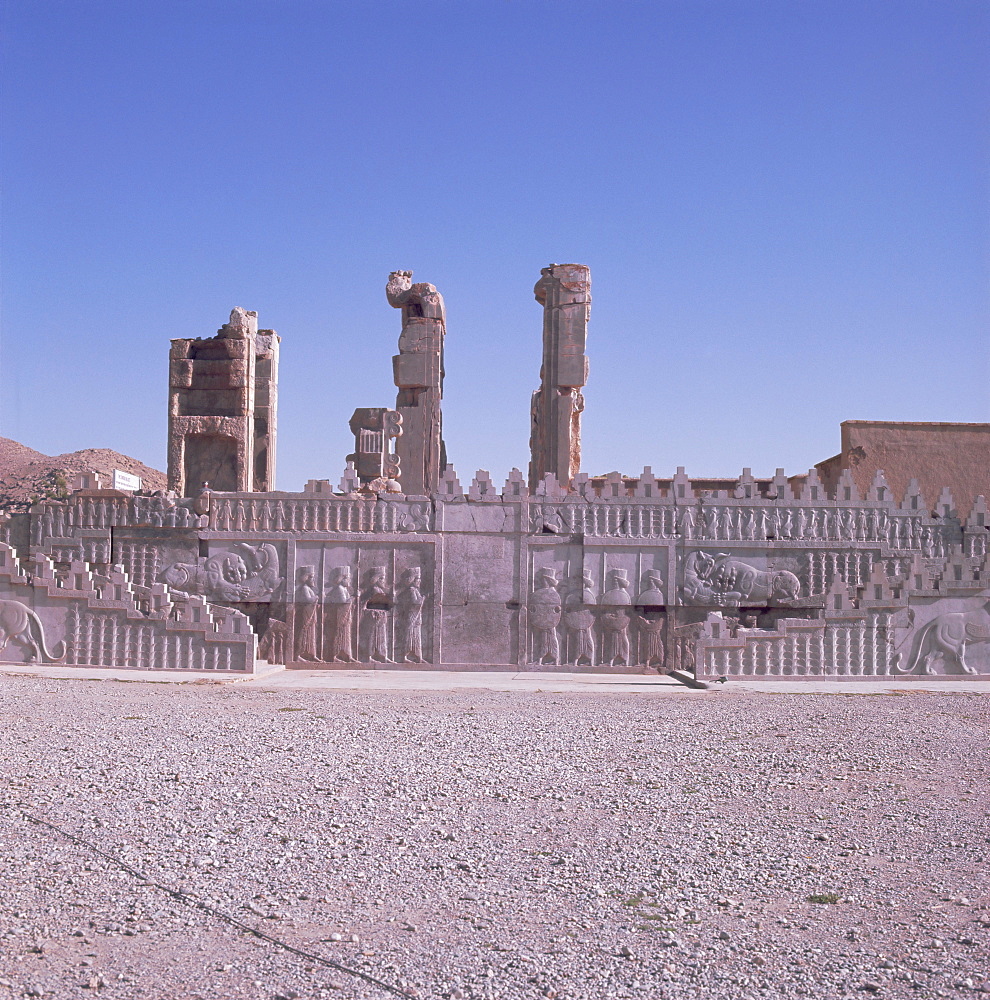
(184, 897)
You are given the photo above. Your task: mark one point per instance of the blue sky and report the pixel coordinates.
(783, 204)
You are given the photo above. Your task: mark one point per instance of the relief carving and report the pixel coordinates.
(945, 638)
(273, 645)
(652, 592)
(228, 576)
(410, 601)
(579, 620)
(651, 629)
(20, 624)
(377, 607)
(544, 617)
(339, 617)
(722, 579)
(615, 631)
(307, 605)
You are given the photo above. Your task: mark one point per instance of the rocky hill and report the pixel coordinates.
(26, 474)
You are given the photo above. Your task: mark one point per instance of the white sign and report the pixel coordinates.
(125, 481)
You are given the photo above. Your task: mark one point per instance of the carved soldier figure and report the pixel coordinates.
(340, 611)
(615, 626)
(410, 601)
(652, 594)
(651, 628)
(614, 619)
(376, 608)
(307, 604)
(687, 522)
(618, 593)
(544, 617)
(580, 621)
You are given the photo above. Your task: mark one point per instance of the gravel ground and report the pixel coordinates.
(487, 845)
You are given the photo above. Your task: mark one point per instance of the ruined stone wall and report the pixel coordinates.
(616, 574)
(223, 401)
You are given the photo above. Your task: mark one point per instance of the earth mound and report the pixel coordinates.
(27, 475)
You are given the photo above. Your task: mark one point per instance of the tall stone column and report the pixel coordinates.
(564, 291)
(418, 371)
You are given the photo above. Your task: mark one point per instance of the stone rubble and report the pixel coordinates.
(481, 845)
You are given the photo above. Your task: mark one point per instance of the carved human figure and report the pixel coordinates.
(581, 590)
(651, 629)
(544, 617)
(787, 524)
(410, 601)
(687, 522)
(339, 612)
(307, 604)
(749, 523)
(377, 605)
(763, 523)
(579, 619)
(652, 592)
(618, 593)
(710, 518)
(615, 630)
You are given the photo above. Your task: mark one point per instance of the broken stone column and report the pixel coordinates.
(564, 290)
(223, 398)
(418, 371)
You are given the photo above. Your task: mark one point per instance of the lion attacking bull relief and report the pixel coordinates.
(723, 580)
(229, 576)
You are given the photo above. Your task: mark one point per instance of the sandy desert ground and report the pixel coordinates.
(493, 845)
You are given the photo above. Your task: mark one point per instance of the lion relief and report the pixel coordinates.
(722, 580)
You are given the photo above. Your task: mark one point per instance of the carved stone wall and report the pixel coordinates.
(75, 614)
(614, 576)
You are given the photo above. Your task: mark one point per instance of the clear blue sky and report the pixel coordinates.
(783, 204)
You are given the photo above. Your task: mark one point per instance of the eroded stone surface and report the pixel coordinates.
(564, 291)
(828, 574)
(223, 403)
(418, 372)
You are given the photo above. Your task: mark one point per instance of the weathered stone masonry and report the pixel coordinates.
(402, 567)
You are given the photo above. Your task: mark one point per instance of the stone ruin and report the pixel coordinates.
(402, 566)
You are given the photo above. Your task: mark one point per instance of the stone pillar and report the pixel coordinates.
(564, 291)
(265, 409)
(223, 397)
(418, 371)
